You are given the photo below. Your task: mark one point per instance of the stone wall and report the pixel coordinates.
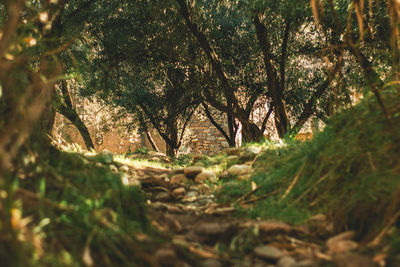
(107, 133)
(203, 136)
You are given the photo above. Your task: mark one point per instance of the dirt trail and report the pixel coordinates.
(203, 232)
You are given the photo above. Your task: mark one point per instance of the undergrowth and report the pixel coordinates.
(350, 172)
(70, 210)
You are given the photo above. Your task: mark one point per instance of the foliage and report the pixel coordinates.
(142, 150)
(80, 207)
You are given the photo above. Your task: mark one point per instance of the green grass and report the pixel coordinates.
(350, 171)
(81, 206)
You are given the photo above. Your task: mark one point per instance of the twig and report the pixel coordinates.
(371, 162)
(260, 197)
(296, 178)
(382, 234)
(310, 188)
(247, 195)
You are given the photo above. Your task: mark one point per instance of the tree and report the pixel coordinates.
(142, 68)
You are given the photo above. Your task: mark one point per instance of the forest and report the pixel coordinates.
(262, 73)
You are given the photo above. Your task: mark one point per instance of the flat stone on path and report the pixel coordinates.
(268, 253)
(353, 260)
(212, 228)
(232, 151)
(249, 153)
(286, 261)
(179, 192)
(165, 256)
(193, 171)
(176, 171)
(162, 196)
(178, 179)
(239, 169)
(205, 175)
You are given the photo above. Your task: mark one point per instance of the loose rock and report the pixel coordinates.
(162, 196)
(249, 153)
(211, 263)
(124, 168)
(239, 170)
(176, 171)
(353, 260)
(113, 168)
(205, 175)
(165, 256)
(232, 151)
(193, 171)
(232, 158)
(178, 179)
(178, 192)
(268, 253)
(341, 243)
(286, 261)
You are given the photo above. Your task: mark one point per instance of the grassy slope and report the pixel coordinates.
(350, 171)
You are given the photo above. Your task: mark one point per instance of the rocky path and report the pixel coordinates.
(202, 232)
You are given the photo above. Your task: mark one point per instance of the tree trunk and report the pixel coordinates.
(251, 132)
(274, 85)
(73, 117)
(172, 146)
(232, 127)
(151, 141)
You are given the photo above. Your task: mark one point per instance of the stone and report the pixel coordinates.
(239, 169)
(341, 243)
(125, 179)
(342, 246)
(232, 151)
(286, 261)
(204, 188)
(192, 194)
(178, 179)
(189, 199)
(249, 153)
(113, 168)
(106, 157)
(197, 156)
(179, 192)
(224, 144)
(205, 175)
(223, 175)
(213, 228)
(124, 168)
(244, 177)
(268, 253)
(193, 171)
(307, 263)
(321, 225)
(232, 158)
(162, 196)
(176, 171)
(211, 263)
(353, 260)
(132, 182)
(165, 256)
